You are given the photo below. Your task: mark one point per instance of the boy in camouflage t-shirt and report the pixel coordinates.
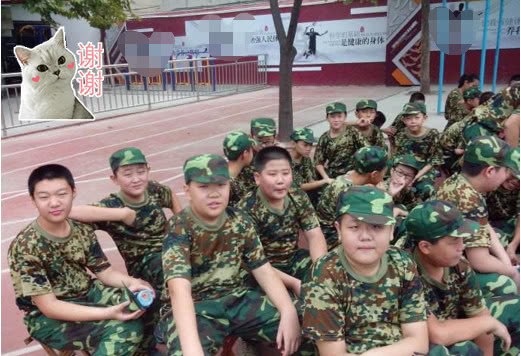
(263, 131)
(365, 114)
(365, 296)
(238, 149)
(50, 261)
(336, 146)
(279, 213)
(423, 143)
(141, 242)
(370, 165)
(207, 250)
(485, 167)
(458, 317)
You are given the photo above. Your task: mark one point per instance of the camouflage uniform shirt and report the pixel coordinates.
(375, 137)
(398, 124)
(366, 312)
(455, 109)
(245, 179)
(425, 148)
(336, 154)
(303, 171)
(326, 208)
(458, 296)
(41, 263)
(472, 205)
(237, 190)
(149, 230)
(211, 257)
(503, 204)
(279, 230)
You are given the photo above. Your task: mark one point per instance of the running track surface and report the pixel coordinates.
(167, 137)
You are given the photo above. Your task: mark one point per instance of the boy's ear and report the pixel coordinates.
(337, 227)
(256, 175)
(424, 247)
(186, 188)
(74, 193)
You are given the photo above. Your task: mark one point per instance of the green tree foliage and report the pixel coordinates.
(100, 14)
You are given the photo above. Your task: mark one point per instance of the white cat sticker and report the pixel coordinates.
(47, 73)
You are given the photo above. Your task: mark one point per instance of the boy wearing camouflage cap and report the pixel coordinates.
(423, 143)
(370, 165)
(471, 98)
(455, 109)
(208, 247)
(365, 114)
(50, 260)
(403, 171)
(139, 241)
(335, 148)
(484, 170)
(458, 320)
(398, 125)
(503, 209)
(238, 149)
(364, 295)
(302, 165)
(263, 130)
(280, 213)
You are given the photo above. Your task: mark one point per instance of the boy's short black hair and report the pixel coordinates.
(416, 96)
(49, 172)
(514, 78)
(472, 169)
(268, 154)
(379, 119)
(485, 96)
(467, 78)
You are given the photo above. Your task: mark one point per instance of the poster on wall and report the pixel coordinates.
(320, 42)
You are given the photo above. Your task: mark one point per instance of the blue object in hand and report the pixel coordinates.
(144, 298)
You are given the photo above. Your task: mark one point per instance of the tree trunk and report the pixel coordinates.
(425, 75)
(287, 55)
(286, 92)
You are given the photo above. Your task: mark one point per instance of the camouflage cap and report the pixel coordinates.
(366, 103)
(435, 219)
(126, 156)
(481, 128)
(305, 134)
(414, 108)
(236, 143)
(206, 168)
(369, 159)
(368, 204)
(408, 160)
(471, 93)
(512, 161)
(336, 107)
(263, 127)
(487, 150)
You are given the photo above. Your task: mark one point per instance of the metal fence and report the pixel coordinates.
(184, 80)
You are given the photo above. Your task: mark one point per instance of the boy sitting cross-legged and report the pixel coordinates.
(50, 260)
(204, 256)
(365, 297)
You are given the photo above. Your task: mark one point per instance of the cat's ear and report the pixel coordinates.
(59, 37)
(22, 54)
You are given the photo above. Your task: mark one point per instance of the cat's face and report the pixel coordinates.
(48, 63)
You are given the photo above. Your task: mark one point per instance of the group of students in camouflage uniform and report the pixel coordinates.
(358, 250)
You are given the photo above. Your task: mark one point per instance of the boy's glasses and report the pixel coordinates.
(402, 174)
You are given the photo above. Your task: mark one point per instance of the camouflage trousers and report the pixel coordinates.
(331, 236)
(150, 269)
(506, 309)
(505, 230)
(101, 338)
(299, 265)
(464, 348)
(496, 285)
(248, 314)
